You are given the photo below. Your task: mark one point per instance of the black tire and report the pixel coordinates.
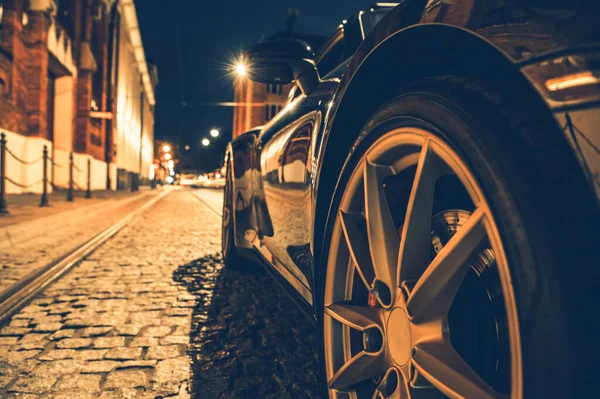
(545, 211)
(231, 257)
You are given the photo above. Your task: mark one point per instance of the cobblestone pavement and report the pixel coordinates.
(30, 245)
(152, 314)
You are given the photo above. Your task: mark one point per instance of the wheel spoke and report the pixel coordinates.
(383, 237)
(416, 234)
(358, 246)
(393, 386)
(358, 317)
(432, 296)
(439, 363)
(362, 366)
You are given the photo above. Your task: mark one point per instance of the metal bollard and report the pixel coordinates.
(44, 201)
(70, 189)
(3, 208)
(88, 192)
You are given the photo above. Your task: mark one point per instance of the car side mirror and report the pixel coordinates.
(283, 61)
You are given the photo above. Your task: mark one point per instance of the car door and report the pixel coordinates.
(286, 171)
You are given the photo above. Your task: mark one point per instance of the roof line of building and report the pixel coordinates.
(135, 38)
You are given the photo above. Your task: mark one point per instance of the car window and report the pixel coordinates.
(332, 54)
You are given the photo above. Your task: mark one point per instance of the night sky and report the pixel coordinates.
(212, 33)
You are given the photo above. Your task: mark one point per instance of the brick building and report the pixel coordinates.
(257, 103)
(62, 64)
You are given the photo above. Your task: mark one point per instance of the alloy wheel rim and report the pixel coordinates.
(407, 337)
(227, 213)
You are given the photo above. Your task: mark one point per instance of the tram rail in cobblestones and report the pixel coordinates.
(209, 206)
(14, 299)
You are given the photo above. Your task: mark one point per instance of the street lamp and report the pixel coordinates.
(240, 69)
(166, 148)
(214, 133)
(205, 142)
(167, 156)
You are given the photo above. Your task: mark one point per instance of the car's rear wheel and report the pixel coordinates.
(231, 257)
(440, 279)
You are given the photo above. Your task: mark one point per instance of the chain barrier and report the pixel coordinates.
(4, 177)
(55, 164)
(22, 161)
(23, 186)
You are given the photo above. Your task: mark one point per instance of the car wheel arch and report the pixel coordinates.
(449, 51)
(244, 143)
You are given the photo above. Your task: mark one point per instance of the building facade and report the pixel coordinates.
(63, 66)
(256, 103)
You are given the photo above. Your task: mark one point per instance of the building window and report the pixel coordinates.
(64, 15)
(267, 115)
(274, 88)
(98, 75)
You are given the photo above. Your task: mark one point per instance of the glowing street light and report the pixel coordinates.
(170, 164)
(205, 142)
(167, 156)
(240, 69)
(166, 148)
(214, 133)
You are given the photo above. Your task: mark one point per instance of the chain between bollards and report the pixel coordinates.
(70, 189)
(44, 200)
(3, 208)
(88, 192)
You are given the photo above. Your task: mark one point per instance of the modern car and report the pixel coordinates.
(429, 197)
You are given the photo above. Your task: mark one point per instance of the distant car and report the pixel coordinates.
(218, 183)
(429, 196)
(189, 180)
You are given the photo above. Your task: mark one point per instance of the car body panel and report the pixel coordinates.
(292, 219)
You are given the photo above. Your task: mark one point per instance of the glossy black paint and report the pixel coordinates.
(287, 172)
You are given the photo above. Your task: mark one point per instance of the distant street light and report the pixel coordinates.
(167, 156)
(166, 148)
(214, 133)
(205, 142)
(187, 147)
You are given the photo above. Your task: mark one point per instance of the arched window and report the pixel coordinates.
(98, 75)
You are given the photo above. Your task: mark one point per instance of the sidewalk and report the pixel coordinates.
(32, 237)
(25, 207)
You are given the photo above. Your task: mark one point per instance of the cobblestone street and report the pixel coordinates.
(152, 314)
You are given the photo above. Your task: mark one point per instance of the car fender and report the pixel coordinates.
(249, 216)
(416, 40)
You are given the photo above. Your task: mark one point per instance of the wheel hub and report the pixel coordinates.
(399, 336)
